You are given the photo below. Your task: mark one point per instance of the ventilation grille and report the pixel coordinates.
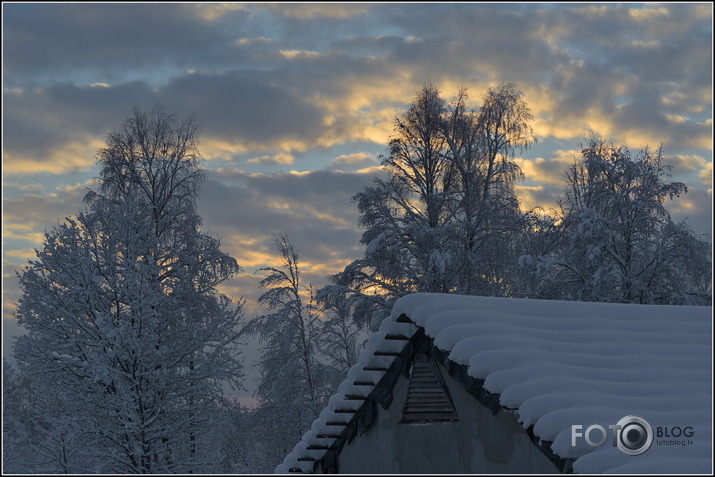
(428, 399)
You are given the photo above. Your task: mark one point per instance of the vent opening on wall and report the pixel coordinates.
(428, 399)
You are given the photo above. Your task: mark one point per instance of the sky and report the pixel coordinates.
(297, 101)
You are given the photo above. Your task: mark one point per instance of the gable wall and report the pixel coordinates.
(479, 443)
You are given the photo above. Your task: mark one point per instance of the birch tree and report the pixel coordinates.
(619, 243)
(121, 305)
(295, 383)
(482, 144)
(38, 435)
(446, 217)
(342, 338)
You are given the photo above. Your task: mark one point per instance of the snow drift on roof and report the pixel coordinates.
(560, 364)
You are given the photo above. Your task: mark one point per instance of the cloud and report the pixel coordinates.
(706, 174)
(57, 129)
(31, 214)
(215, 11)
(346, 80)
(536, 196)
(691, 164)
(299, 54)
(249, 107)
(549, 171)
(642, 125)
(105, 42)
(68, 157)
(637, 74)
(354, 160)
(695, 208)
(252, 41)
(311, 11)
(314, 209)
(280, 158)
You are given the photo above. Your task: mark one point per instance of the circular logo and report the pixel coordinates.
(634, 436)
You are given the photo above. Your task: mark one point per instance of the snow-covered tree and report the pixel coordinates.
(483, 144)
(446, 217)
(121, 306)
(39, 435)
(295, 383)
(619, 243)
(341, 338)
(241, 446)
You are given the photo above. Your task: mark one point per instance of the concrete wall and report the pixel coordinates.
(478, 443)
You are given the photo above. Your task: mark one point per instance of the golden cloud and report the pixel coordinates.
(309, 11)
(213, 148)
(693, 101)
(690, 162)
(303, 210)
(71, 157)
(250, 41)
(531, 197)
(300, 54)
(371, 170)
(247, 251)
(676, 118)
(352, 160)
(214, 11)
(30, 187)
(547, 171)
(356, 158)
(255, 252)
(280, 158)
(647, 13)
(353, 115)
(26, 232)
(547, 121)
(706, 174)
(22, 254)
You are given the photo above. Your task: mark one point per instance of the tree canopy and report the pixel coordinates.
(122, 312)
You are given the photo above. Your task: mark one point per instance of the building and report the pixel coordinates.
(458, 384)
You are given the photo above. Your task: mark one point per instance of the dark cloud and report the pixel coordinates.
(647, 118)
(106, 41)
(315, 209)
(39, 120)
(695, 208)
(482, 42)
(249, 106)
(231, 106)
(541, 197)
(593, 57)
(41, 212)
(312, 26)
(362, 45)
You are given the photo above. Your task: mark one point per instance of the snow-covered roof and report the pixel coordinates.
(556, 364)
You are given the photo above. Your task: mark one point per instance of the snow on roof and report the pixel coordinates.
(559, 364)
(379, 354)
